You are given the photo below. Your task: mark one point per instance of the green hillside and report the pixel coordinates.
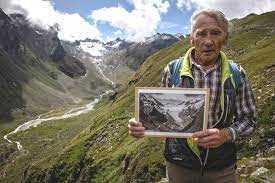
(28, 81)
(26, 84)
(96, 147)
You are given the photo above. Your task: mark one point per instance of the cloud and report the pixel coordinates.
(43, 14)
(136, 24)
(184, 4)
(164, 25)
(232, 8)
(4, 4)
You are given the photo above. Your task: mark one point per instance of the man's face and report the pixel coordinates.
(207, 37)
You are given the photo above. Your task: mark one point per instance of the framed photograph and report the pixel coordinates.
(172, 112)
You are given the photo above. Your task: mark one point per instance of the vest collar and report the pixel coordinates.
(186, 69)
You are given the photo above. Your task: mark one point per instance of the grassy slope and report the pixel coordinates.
(35, 88)
(104, 152)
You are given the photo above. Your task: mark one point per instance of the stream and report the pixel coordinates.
(68, 114)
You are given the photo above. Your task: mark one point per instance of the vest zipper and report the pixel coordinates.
(199, 160)
(204, 162)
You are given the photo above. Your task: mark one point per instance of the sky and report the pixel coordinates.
(133, 20)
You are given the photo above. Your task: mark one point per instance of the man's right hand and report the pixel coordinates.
(135, 128)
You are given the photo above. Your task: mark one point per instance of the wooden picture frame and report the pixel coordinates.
(172, 112)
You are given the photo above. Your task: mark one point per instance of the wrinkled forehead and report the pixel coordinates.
(204, 21)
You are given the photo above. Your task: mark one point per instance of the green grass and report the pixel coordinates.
(93, 147)
(40, 70)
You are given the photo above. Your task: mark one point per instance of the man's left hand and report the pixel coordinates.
(212, 138)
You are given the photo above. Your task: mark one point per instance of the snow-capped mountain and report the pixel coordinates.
(119, 58)
(94, 47)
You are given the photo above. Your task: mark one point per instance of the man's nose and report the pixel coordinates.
(208, 41)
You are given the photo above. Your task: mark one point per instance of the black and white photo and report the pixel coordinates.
(172, 112)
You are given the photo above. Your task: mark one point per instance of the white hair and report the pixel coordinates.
(215, 14)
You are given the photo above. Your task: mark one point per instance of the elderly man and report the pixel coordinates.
(231, 109)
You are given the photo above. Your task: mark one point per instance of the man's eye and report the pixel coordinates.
(216, 33)
(201, 33)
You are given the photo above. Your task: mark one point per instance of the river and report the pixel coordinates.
(68, 114)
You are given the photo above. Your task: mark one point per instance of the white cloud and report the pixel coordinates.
(164, 25)
(232, 8)
(4, 4)
(137, 24)
(184, 4)
(42, 13)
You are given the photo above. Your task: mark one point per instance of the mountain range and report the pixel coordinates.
(40, 71)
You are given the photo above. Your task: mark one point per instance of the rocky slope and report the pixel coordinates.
(42, 43)
(96, 147)
(35, 70)
(21, 68)
(130, 56)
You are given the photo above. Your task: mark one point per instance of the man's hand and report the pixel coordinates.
(212, 138)
(135, 128)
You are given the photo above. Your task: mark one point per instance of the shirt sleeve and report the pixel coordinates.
(245, 116)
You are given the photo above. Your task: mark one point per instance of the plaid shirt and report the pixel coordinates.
(244, 122)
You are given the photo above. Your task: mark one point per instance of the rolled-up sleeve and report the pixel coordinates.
(245, 115)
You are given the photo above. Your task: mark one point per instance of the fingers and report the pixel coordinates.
(135, 128)
(133, 122)
(209, 138)
(208, 142)
(205, 133)
(199, 134)
(136, 134)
